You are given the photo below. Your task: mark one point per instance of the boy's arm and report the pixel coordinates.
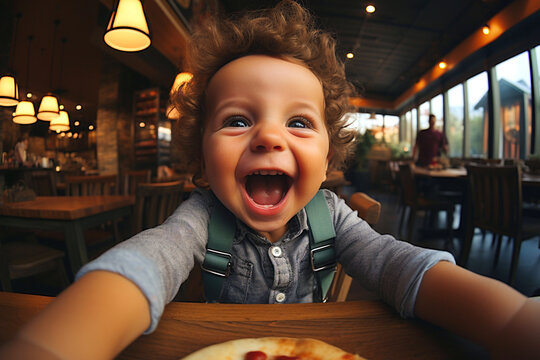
(95, 318)
(482, 309)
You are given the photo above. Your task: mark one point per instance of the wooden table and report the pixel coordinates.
(69, 214)
(368, 328)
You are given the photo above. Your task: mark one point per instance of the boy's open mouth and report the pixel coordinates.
(267, 187)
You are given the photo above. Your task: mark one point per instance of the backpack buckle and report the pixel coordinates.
(323, 257)
(217, 263)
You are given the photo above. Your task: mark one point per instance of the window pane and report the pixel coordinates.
(414, 125)
(424, 115)
(437, 110)
(514, 80)
(454, 122)
(391, 129)
(477, 88)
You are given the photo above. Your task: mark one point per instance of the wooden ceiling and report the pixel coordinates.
(394, 47)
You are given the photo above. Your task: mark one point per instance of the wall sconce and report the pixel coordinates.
(128, 29)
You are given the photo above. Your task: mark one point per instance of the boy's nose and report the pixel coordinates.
(268, 138)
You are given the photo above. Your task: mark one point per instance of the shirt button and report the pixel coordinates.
(276, 251)
(280, 297)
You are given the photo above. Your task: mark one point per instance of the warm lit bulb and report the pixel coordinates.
(442, 65)
(29, 95)
(78, 107)
(142, 124)
(370, 9)
(91, 127)
(350, 55)
(61, 107)
(76, 123)
(486, 30)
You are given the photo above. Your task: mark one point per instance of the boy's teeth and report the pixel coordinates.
(267, 172)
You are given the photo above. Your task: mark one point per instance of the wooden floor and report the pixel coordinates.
(481, 258)
(482, 251)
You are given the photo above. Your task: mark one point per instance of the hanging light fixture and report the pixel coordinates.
(25, 112)
(9, 90)
(61, 123)
(48, 108)
(128, 28)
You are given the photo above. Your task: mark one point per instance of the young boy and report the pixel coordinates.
(262, 124)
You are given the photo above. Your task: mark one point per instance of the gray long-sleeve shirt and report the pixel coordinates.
(159, 260)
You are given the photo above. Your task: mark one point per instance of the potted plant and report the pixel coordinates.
(358, 170)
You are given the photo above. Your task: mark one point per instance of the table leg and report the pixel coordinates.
(76, 246)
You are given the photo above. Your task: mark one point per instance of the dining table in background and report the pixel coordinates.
(369, 328)
(68, 214)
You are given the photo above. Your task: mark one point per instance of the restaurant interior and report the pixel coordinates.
(92, 110)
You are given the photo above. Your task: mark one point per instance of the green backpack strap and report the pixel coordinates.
(221, 230)
(322, 235)
(217, 260)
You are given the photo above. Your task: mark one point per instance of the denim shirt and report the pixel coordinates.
(159, 260)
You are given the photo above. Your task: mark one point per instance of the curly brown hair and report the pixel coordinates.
(286, 31)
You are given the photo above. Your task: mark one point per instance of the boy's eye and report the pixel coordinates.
(300, 122)
(236, 121)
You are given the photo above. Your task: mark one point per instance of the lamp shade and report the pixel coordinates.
(128, 29)
(25, 113)
(61, 123)
(9, 91)
(48, 108)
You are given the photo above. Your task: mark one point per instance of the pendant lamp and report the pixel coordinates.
(48, 108)
(25, 112)
(128, 28)
(9, 90)
(61, 123)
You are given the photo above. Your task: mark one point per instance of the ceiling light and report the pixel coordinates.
(78, 107)
(61, 107)
(9, 91)
(61, 122)
(486, 29)
(91, 127)
(370, 8)
(443, 65)
(128, 29)
(24, 113)
(76, 123)
(350, 55)
(29, 95)
(48, 108)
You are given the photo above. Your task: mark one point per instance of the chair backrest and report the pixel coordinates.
(43, 182)
(155, 202)
(368, 209)
(495, 198)
(131, 178)
(408, 186)
(91, 185)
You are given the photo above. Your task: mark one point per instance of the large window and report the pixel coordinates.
(414, 128)
(438, 110)
(513, 77)
(424, 115)
(477, 92)
(454, 121)
(391, 129)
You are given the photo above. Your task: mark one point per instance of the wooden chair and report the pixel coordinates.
(155, 202)
(43, 182)
(494, 204)
(21, 258)
(415, 201)
(131, 178)
(91, 185)
(368, 209)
